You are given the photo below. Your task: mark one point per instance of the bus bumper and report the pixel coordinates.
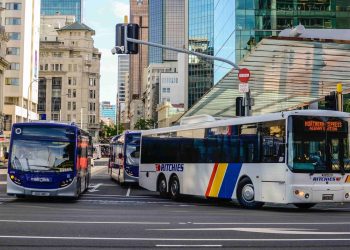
(68, 191)
(319, 194)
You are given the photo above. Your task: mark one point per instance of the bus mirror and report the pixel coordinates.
(120, 155)
(6, 155)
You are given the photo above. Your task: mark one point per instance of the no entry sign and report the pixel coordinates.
(244, 75)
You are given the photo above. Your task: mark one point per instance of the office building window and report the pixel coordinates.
(12, 81)
(12, 21)
(13, 51)
(14, 66)
(13, 6)
(14, 35)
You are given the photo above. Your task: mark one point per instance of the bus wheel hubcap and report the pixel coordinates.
(174, 187)
(162, 186)
(248, 193)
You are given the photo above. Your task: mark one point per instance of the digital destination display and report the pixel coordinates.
(331, 126)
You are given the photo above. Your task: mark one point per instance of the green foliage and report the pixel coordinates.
(144, 124)
(106, 132)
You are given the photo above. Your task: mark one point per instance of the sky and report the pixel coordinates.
(102, 16)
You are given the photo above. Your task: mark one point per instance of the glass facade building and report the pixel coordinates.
(155, 30)
(166, 22)
(241, 24)
(63, 7)
(200, 39)
(108, 111)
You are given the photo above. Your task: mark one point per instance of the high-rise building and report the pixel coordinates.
(240, 25)
(138, 62)
(20, 91)
(69, 82)
(108, 112)
(200, 39)
(166, 26)
(66, 7)
(3, 66)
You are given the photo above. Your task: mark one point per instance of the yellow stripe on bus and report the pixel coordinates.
(347, 179)
(219, 177)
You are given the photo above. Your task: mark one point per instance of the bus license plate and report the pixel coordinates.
(41, 193)
(327, 197)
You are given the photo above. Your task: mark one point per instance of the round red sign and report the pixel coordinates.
(244, 75)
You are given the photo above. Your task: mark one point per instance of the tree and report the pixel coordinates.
(144, 124)
(106, 132)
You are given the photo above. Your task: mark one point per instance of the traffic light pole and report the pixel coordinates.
(247, 94)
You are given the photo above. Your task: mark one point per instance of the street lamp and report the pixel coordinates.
(30, 96)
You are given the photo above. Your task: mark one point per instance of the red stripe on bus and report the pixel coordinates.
(211, 179)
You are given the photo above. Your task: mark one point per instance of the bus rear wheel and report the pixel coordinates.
(162, 187)
(246, 194)
(304, 205)
(174, 186)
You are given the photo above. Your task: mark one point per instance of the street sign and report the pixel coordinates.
(243, 88)
(244, 75)
(42, 116)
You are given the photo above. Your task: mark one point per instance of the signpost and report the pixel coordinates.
(243, 87)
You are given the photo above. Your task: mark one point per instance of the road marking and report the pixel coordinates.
(88, 222)
(93, 188)
(128, 192)
(167, 239)
(272, 223)
(189, 246)
(301, 231)
(119, 195)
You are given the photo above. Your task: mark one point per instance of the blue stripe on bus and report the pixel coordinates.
(230, 180)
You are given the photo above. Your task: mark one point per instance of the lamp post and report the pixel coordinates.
(30, 96)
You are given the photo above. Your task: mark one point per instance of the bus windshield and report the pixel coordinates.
(318, 144)
(38, 156)
(133, 149)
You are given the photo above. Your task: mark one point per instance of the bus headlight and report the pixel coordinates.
(66, 182)
(346, 195)
(15, 179)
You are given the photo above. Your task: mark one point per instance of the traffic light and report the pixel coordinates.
(331, 101)
(133, 30)
(240, 106)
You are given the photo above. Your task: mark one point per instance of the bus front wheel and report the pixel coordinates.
(246, 194)
(174, 186)
(162, 187)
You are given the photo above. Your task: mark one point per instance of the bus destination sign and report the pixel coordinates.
(331, 126)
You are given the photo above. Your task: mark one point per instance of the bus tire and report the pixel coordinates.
(20, 196)
(162, 186)
(304, 206)
(245, 194)
(174, 188)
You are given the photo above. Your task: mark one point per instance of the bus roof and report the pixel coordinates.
(249, 119)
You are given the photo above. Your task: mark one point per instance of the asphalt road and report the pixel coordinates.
(109, 216)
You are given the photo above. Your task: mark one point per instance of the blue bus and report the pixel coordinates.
(48, 159)
(125, 155)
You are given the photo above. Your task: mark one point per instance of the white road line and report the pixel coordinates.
(128, 192)
(272, 223)
(167, 239)
(119, 195)
(189, 246)
(87, 222)
(292, 231)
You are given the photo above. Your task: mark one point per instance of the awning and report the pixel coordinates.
(286, 73)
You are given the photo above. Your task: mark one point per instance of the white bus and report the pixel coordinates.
(296, 157)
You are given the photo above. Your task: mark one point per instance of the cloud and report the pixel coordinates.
(109, 76)
(121, 9)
